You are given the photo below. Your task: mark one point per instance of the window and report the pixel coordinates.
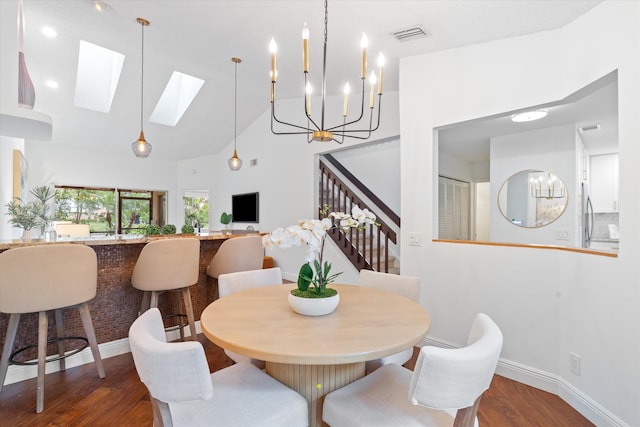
(196, 209)
(111, 210)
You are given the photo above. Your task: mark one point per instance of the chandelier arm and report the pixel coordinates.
(274, 118)
(307, 105)
(353, 121)
(345, 132)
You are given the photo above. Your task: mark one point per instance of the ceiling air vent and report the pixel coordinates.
(411, 33)
(589, 128)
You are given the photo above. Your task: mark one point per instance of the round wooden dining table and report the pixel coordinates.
(315, 355)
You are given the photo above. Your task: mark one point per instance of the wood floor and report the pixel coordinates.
(78, 397)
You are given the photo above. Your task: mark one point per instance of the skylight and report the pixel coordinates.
(176, 98)
(98, 74)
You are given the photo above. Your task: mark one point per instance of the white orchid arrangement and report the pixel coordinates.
(315, 271)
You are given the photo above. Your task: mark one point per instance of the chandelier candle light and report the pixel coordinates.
(318, 131)
(141, 148)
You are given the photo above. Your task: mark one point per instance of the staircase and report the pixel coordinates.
(367, 248)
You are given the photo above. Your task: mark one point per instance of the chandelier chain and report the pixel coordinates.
(326, 19)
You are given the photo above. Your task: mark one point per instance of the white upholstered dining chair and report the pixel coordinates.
(408, 286)
(184, 393)
(235, 282)
(443, 390)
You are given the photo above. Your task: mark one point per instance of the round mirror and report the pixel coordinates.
(532, 198)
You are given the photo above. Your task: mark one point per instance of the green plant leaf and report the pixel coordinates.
(225, 218)
(305, 277)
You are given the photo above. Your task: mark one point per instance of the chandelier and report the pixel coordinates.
(317, 130)
(547, 187)
(141, 148)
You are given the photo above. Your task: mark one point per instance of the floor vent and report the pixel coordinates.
(411, 33)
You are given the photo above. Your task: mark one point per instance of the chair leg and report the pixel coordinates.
(12, 329)
(153, 299)
(91, 337)
(466, 417)
(60, 334)
(146, 302)
(43, 324)
(186, 298)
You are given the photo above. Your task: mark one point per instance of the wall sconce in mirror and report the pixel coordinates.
(532, 198)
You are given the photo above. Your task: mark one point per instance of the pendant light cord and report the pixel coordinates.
(235, 110)
(142, 79)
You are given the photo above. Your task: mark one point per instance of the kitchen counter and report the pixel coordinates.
(117, 303)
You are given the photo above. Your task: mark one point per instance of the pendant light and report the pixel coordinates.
(234, 162)
(141, 148)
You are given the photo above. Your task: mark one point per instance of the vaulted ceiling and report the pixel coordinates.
(199, 38)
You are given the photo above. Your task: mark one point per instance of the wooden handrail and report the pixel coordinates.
(382, 206)
(366, 248)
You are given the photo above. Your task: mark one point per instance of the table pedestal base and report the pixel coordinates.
(315, 381)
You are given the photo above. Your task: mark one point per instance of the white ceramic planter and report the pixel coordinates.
(314, 306)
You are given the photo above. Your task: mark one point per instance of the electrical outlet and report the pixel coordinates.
(562, 234)
(574, 363)
(415, 239)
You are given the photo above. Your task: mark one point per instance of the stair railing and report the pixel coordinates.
(367, 248)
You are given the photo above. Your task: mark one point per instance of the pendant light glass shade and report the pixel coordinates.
(141, 148)
(234, 162)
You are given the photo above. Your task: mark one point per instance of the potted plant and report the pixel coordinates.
(26, 216)
(315, 274)
(225, 219)
(169, 229)
(153, 229)
(187, 229)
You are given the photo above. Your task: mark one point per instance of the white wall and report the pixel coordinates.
(284, 175)
(54, 164)
(378, 167)
(549, 149)
(548, 303)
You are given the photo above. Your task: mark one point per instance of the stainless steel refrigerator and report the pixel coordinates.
(587, 216)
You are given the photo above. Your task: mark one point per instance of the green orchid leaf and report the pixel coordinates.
(305, 277)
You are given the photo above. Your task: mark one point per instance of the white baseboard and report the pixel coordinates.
(17, 373)
(550, 383)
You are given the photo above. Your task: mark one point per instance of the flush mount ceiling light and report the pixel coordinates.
(234, 162)
(529, 116)
(317, 131)
(100, 6)
(141, 148)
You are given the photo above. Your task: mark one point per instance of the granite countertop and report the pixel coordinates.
(124, 239)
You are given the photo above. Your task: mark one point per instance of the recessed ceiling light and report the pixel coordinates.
(529, 116)
(49, 32)
(52, 84)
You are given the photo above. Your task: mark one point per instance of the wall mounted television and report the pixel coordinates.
(245, 207)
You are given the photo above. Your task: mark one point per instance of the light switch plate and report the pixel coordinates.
(415, 239)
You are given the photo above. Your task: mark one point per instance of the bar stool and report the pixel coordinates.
(237, 254)
(36, 279)
(168, 265)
